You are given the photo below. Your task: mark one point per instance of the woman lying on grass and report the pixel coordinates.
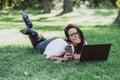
(54, 48)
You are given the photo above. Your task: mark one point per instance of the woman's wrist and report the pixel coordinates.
(63, 59)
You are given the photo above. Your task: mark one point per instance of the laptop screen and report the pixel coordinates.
(95, 52)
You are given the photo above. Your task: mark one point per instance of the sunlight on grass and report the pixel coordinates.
(88, 17)
(11, 24)
(50, 34)
(85, 17)
(13, 36)
(81, 17)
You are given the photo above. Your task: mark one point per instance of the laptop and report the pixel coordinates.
(95, 52)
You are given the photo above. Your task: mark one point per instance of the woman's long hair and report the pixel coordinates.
(78, 48)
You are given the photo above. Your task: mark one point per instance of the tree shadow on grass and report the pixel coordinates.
(50, 28)
(107, 26)
(43, 19)
(8, 19)
(103, 13)
(13, 48)
(62, 13)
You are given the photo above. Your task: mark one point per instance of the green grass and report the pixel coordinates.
(19, 61)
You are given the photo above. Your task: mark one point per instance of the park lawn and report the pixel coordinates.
(19, 61)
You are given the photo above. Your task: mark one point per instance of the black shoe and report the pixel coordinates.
(27, 20)
(24, 31)
(29, 32)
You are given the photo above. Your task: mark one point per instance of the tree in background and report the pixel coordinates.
(1, 4)
(46, 6)
(114, 2)
(96, 3)
(68, 6)
(117, 20)
(10, 3)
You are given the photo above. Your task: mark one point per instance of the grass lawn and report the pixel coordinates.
(19, 61)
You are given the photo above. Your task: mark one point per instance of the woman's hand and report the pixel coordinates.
(67, 56)
(76, 56)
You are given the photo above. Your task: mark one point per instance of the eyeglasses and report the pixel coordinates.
(74, 34)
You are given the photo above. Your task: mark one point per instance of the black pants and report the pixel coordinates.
(40, 45)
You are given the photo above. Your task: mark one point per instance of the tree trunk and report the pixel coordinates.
(68, 6)
(26, 3)
(83, 1)
(114, 2)
(117, 20)
(96, 3)
(1, 4)
(10, 3)
(46, 6)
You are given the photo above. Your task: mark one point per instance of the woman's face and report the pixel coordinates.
(74, 36)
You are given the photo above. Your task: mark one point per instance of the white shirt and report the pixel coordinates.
(56, 47)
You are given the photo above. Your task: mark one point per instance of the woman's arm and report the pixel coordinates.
(66, 57)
